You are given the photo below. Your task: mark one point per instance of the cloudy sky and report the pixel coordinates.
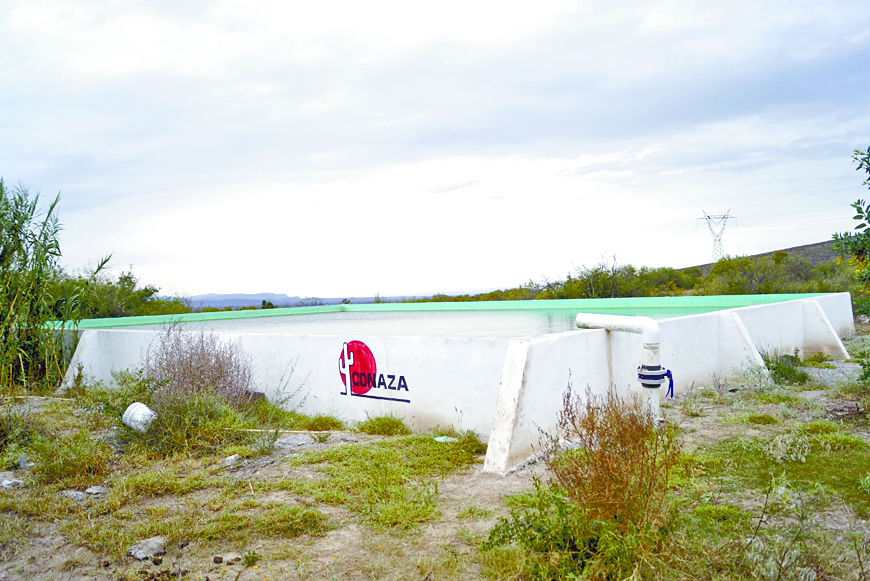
(346, 148)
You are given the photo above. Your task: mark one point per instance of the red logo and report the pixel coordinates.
(359, 375)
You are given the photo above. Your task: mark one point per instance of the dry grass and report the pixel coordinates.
(188, 363)
(620, 460)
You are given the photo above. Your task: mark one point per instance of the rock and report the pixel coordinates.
(24, 463)
(255, 395)
(73, 494)
(97, 491)
(232, 460)
(11, 483)
(862, 319)
(218, 559)
(293, 440)
(147, 548)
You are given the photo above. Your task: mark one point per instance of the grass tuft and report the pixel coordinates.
(785, 369)
(388, 425)
(72, 461)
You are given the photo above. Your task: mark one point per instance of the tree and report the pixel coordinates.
(857, 245)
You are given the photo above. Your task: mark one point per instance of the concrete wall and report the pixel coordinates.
(504, 389)
(450, 381)
(694, 348)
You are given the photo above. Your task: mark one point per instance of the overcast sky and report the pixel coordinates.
(345, 148)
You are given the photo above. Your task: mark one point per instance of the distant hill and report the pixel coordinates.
(814, 253)
(238, 300)
(220, 301)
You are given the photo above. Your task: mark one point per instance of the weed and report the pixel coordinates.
(388, 425)
(74, 461)
(762, 419)
(690, 408)
(864, 483)
(474, 513)
(188, 363)
(819, 360)
(606, 512)
(200, 423)
(751, 374)
(388, 483)
(250, 558)
(808, 457)
(784, 369)
(18, 430)
(628, 486)
(322, 423)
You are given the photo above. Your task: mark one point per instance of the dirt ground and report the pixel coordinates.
(442, 548)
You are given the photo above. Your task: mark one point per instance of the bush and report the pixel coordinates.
(188, 363)
(619, 462)
(606, 512)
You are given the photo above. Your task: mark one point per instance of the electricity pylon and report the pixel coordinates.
(714, 223)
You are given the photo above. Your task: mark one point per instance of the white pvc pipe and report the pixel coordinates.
(650, 334)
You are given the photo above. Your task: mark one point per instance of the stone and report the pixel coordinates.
(24, 463)
(232, 460)
(73, 494)
(147, 548)
(11, 483)
(218, 559)
(293, 440)
(97, 491)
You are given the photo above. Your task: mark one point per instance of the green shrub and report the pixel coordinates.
(784, 369)
(388, 425)
(820, 360)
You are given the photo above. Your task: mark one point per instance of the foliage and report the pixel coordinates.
(856, 245)
(766, 274)
(618, 462)
(785, 369)
(30, 350)
(18, 431)
(102, 296)
(388, 425)
(607, 510)
(187, 362)
(389, 483)
(73, 461)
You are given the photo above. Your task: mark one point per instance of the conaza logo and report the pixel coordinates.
(359, 375)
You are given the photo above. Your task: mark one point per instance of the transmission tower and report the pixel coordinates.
(716, 224)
